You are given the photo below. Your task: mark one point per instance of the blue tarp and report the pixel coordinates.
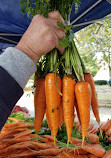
(12, 21)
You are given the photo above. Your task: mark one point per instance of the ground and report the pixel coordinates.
(103, 94)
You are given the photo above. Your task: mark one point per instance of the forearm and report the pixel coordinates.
(15, 70)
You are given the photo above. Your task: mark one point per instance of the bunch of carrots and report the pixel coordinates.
(65, 87)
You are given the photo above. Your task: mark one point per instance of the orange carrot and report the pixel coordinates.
(21, 145)
(90, 127)
(108, 131)
(46, 156)
(94, 149)
(43, 145)
(106, 125)
(46, 152)
(75, 140)
(61, 115)
(25, 154)
(94, 103)
(79, 156)
(68, 155)
(39, 104)
(108, 154)
(53, 100)
(91, 156)
(109, 139)
(78, 151)
(68, 85)
(76, 124)
(15, 119)
(9, 125)
(83, 96)
(77, 110)
(17, 140)
(93, 138)
(8, 134)
(94, 130)
(42, 139)
(50, 138)
(22, 134)
(47, 117)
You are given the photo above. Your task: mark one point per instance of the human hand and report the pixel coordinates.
(42, 36)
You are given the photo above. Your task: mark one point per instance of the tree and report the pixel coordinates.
(95, 45)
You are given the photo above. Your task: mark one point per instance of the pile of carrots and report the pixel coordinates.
(18, 141)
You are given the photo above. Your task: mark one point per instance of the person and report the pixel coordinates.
(18, 63)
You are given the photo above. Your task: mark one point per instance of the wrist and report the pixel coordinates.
(25, 49)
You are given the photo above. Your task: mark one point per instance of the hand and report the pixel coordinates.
(42, 36)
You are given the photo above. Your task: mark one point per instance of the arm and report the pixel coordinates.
(18, 64)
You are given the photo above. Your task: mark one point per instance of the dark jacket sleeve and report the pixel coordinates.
(10, 93)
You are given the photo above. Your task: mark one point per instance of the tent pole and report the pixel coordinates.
(93, 21)
(5, 39)
(9, 34)
(86, 12)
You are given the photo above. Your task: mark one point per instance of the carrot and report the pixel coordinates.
(108, 131)
(53, 100)
(90, 127)
(91, 156)
(18, 125)
(50, 138)
(49, 152)
(79, 156)
(17, 140)
(26, 125)
(76, 124)
(61, 115)
(39, 104)
(108, 154)
(47, 117)
(46, 157)
(83, 96)
(94, 149)
(94, 103)
(78, 151)
(68, 85)
(109, 139)
(42, 139)
(67, 155)
(94, 130)
(21, 145)
(106, 125)
(22, 134)
(12, 124)
(77, 110)
(8, 134)
(25, 153)
(75, 140)
(93, 138)
(43, 145)
(15, 119)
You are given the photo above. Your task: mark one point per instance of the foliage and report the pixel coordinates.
(101, 82)
(94, 43)
(104, 142)
(33, 7)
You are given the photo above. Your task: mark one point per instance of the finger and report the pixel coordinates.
(53, 23)
(56, 15)
(60, 34)
(57, 41)
(61, 49)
